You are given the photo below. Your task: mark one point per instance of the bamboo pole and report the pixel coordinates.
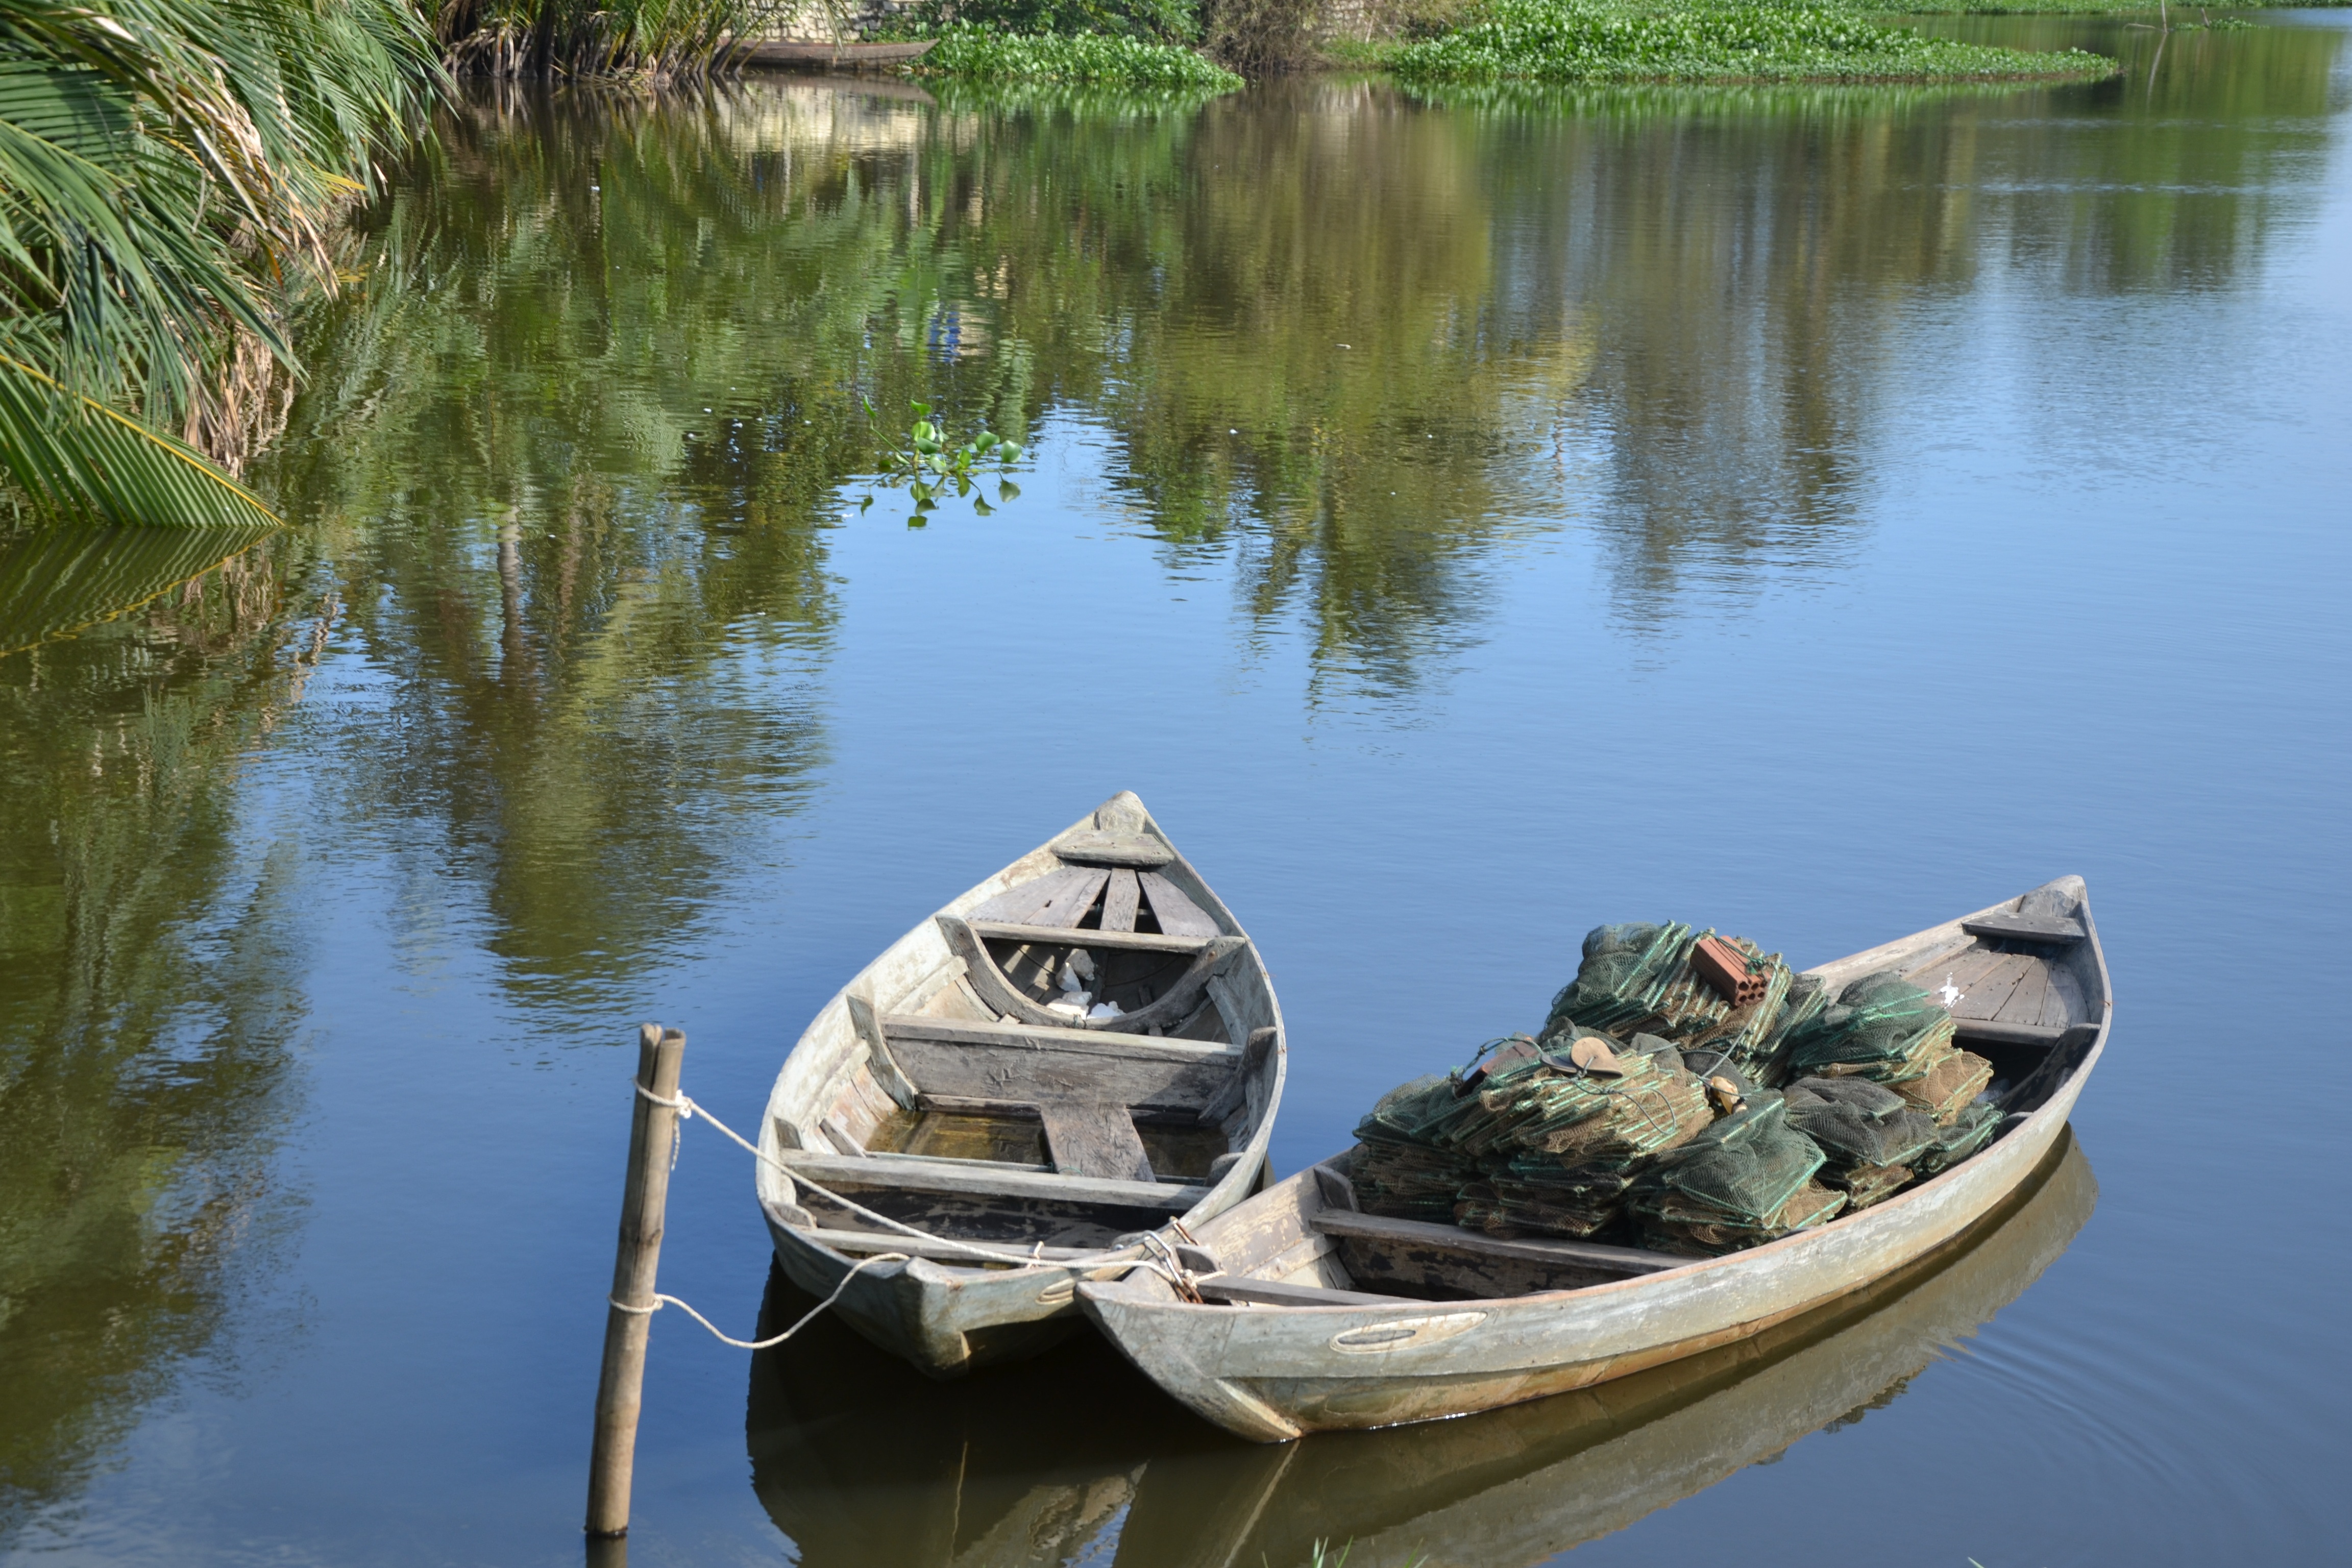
(652, 1129)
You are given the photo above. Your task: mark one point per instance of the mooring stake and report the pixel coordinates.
(652, 1131)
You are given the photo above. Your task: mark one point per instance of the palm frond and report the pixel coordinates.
(84, 460)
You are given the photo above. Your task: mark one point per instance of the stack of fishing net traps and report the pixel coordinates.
(1687, 1093)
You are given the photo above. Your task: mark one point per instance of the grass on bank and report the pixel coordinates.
(1708, 40)
(973, 54)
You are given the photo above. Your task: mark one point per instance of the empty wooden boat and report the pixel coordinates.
(1074, 1053)
(1316, 1316)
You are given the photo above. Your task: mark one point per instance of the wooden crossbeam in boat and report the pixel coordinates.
(938, 1248)
(1271, 1293)
(1122, 941)
(1415, 1232)
(982, 1178)
(1030, 1062)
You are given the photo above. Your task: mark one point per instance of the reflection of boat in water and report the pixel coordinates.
(864, 1463)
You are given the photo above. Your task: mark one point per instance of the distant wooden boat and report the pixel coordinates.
(797, 55)
(955, 1086)
(1314, 1316)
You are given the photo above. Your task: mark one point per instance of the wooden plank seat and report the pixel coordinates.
(1584, 1256)
(1025, 1062)
(1084, 1085)
(987, 1179)
(2048, 929)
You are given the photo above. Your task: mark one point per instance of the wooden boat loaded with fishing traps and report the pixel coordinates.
(1316, 1316)
(1074, 1054)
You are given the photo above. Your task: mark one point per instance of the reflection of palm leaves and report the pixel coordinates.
(58, 581)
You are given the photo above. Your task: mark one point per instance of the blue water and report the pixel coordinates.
(2049, 578)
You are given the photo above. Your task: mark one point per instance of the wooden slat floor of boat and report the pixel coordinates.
(2024, 1003)
(982, 1178)
(1992, 988)
(1176, 915)
(1019, 905)
(2064, 1004)
(1121, 898)
(1094, 1140)
(1068, 907)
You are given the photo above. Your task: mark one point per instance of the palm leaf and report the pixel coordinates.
(87, 461)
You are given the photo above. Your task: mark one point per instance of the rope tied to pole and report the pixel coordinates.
(1151, 1250)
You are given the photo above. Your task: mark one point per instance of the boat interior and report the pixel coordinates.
(1087, 1054)
(2029, 998)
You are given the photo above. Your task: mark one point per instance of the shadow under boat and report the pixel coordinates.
(864, 1462)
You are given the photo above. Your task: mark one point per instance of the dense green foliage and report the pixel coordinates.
(171, 173)
(1165, 21)
(979, 55)
(660, 39)
(1579, 40)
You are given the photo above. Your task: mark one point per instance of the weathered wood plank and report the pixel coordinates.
(861, 1243)
(1019, 904)
(1176, 915)
(1121, 897)
(1966, 1030)
(1003, 1062)
(1271, 1293)
(1068, 907)
(2055, 929)
(2064, 1002)
(1123, 849)
(2024, 1003)
(1134, 940)
(984, 1179)
(1992, 988)
(1621, 1260)
(1094, 1140)
(1251, 1068)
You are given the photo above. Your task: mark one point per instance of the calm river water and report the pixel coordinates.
(1813, 514)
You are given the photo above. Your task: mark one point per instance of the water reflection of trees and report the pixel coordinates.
(148, 965)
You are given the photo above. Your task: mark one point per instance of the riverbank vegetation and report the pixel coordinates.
(1706, 40)
(979, 54)
(656, 40)
(173, 179)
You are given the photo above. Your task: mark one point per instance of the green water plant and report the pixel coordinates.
(977, 54)
(930, 462)
(1709, 40)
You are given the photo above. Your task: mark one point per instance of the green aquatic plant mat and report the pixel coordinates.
(1582, 41)
(976, 54)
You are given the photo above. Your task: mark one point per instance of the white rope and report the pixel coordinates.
(661, 1300)
(687, 1110)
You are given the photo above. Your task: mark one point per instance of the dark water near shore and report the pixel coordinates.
(1809, 513)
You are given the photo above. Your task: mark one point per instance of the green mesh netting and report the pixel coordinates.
(1878, 1095)
(1869, 1133)
(1745, 1179)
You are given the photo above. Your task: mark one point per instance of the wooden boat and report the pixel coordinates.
(1316, 1316)
(955, 1088)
